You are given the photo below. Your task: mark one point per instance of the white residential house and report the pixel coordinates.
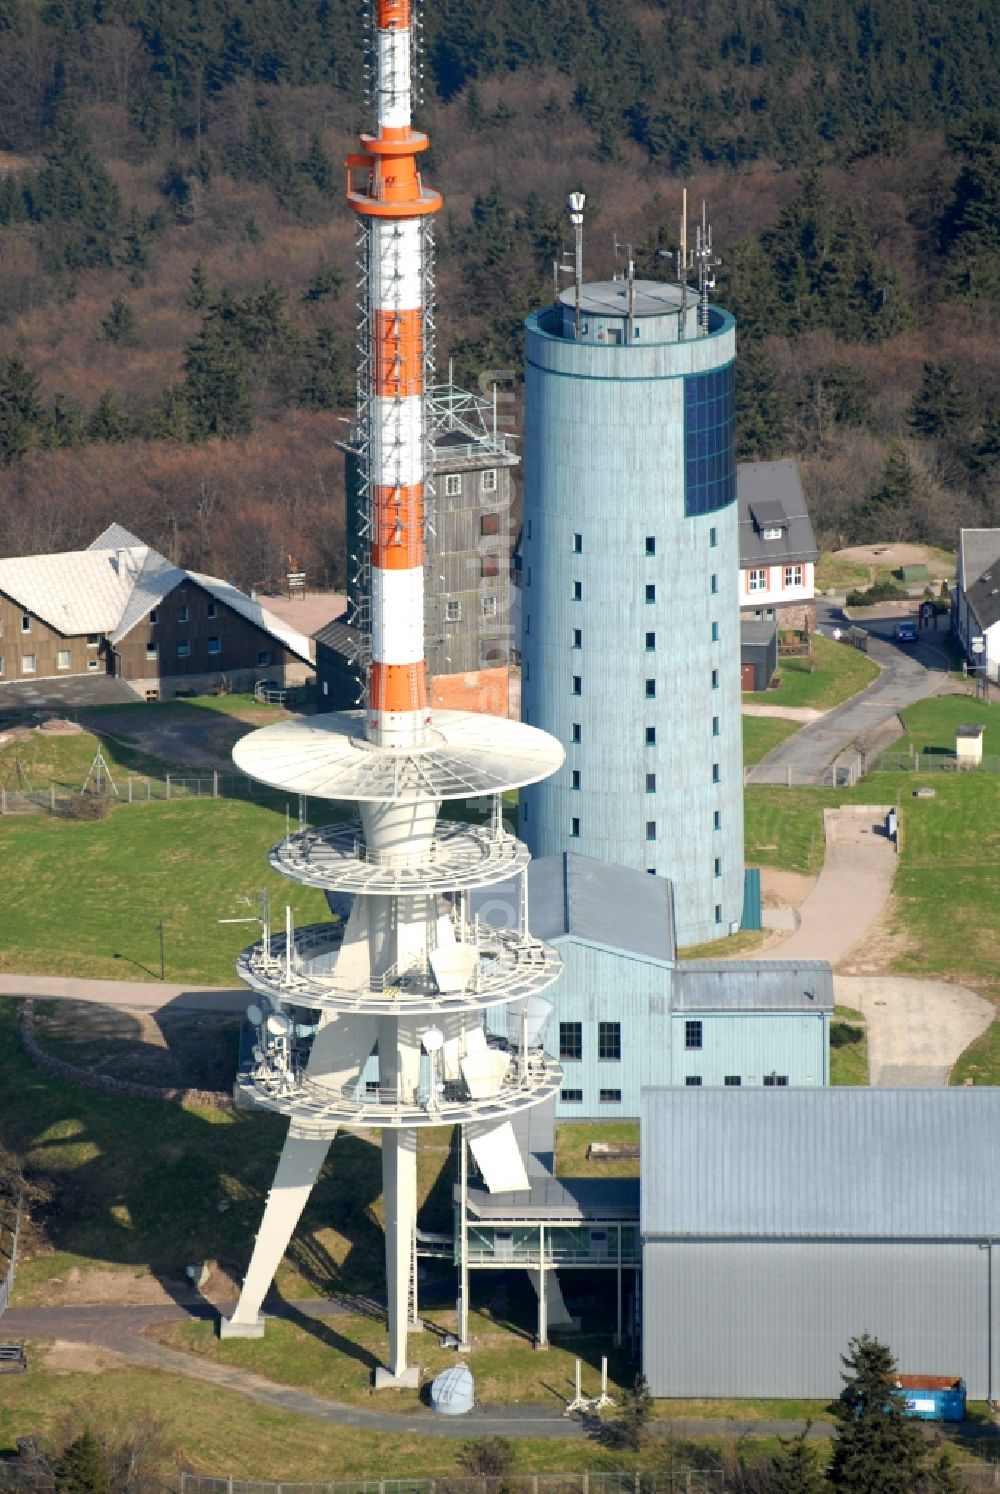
(778, 551)
(975, 603)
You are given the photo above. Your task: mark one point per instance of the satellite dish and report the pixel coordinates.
(255, 1015)
(433, 1040)
(279, 1025)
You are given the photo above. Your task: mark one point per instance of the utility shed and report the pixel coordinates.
(777, 1224)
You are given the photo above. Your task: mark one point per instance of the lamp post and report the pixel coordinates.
(159, 928)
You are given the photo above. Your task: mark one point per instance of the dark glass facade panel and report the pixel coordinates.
(709, 441)
(571, 1041)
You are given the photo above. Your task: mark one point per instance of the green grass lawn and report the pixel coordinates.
(761, 734)
(981, 1060)
(218, 1432)
(138, 1184)
(835, 573)
(930, 724)
(838, 673)
(36, 761)
(574, 1137)
(84, 890)
(848, 1047)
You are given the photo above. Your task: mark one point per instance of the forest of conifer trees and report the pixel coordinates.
(176, 264)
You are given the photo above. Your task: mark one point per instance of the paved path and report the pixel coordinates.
(850, 892)
(917, 1029)
(908, 674)
(805, 714)
(133, 995)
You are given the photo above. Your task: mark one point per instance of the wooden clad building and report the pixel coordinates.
(120, 608)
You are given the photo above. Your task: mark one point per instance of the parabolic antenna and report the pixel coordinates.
(278, 1025)
(254, 1015)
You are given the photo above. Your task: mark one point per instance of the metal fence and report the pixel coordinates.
(67, 799)
(677, 1481)
(8, 1282)
(931, 762)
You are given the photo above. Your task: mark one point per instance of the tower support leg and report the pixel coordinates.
(298, 1169)
(399, 1191)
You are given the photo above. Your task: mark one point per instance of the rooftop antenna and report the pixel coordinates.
(683, 263)
(626, 249)
(574, 204)
(707, 263)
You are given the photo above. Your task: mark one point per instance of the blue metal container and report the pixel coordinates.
(933, 1397)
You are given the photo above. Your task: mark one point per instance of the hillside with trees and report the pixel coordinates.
(177, 264)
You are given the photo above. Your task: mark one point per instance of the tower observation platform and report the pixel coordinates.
(630, 565)
(400, 986)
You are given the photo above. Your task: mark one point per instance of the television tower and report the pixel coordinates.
(379, 1020)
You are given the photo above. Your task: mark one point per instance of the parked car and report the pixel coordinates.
(906, 632)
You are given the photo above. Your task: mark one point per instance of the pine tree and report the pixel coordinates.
(109, 421)
(64, 426)
(794, 1468)
(761, 407)
(21, 413)
(198, 292)
(82, 1468)
(118, 326)
(941, 409)
(878, 1449)
(217, 378)
(887, 513)
(635, 1407)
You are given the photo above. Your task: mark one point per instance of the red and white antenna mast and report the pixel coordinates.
(385, 190)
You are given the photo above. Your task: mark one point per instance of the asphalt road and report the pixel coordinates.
(909, 673)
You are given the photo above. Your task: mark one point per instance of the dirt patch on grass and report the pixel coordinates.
(102, 1287)
(892, 556)
(63, 1358)
(171, 1050)
(880, 948)
(784, 889)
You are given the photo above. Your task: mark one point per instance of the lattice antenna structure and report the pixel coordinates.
(404, 1009)
(707, 263)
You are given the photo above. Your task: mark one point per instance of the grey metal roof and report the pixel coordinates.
(610, 298)
(575, 896)
(756, 632)
(752, 985)
(983, 596)
(821, 1163)
(562, 1200)
(339, 636)
(978, 551)
(770, 494)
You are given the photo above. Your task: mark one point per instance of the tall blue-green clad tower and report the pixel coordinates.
(630, 565)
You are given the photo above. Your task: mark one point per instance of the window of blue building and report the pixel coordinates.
(651, 593)
(650, 689)
(650, 643)
(732, 1081)
(650, 829)
(715, 632)
(578, 591)
(777, 1080)
(571, 1096)
(574, 829)
(692, 1033)
(576, 734)
(578, 544)
(650, 544)
(609, 1042)
(709, 441)
(717, 820)
(650, 783)
(693, 1081)
(578, 638)
(570, 1041)
(650, 736)
(715, 679)
(610, 1096)
(576, 778)
(577, 684)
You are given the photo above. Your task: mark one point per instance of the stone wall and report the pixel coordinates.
(213, 1098)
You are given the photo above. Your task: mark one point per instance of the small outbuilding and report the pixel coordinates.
(758, 653)
(777, 1224)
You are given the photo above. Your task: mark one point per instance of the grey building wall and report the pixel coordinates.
(605, 461)
(468, 540)
(755, 1317)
